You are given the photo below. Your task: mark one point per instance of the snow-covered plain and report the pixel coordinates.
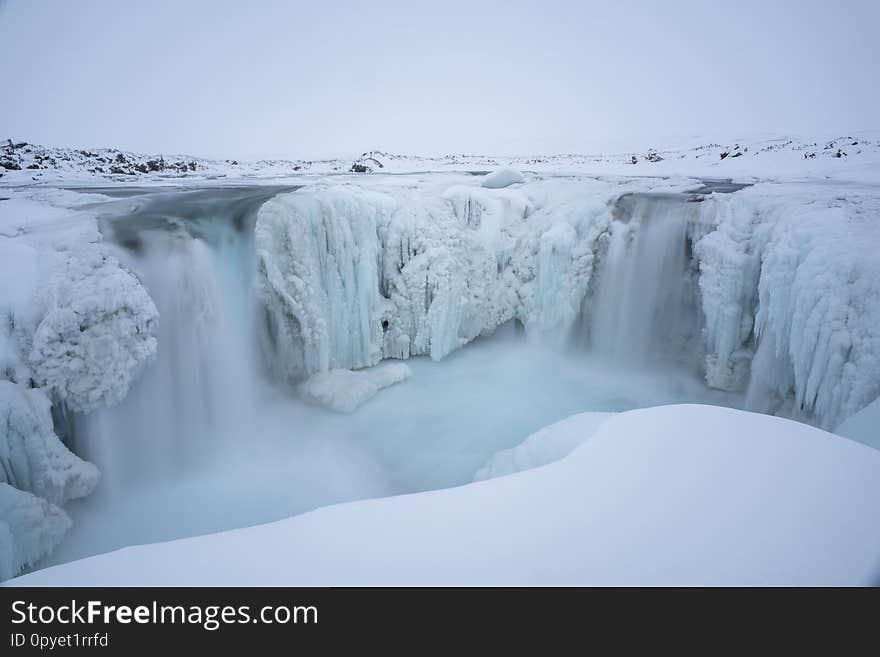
(671, 495)
(182, 346)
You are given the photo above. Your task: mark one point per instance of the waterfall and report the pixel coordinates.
(196, 261)
(643, 306)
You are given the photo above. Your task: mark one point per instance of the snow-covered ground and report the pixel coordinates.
(853, 157)
(171, 338)
(672, 495)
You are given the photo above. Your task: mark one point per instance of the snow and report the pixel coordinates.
(675, 495)
(344, 391)
(863, 426)
(545, 446)
(502, 178)
(752, 157)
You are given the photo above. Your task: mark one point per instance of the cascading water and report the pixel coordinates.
(644, 301)
(196, 261)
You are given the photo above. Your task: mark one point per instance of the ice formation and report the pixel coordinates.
(76, 329)
(37, 475)
(32, 456)
(773, 290)
(97, 333)
(30, 527)
(790, 288)
(351, 276)
(545, 446)
(344, 390)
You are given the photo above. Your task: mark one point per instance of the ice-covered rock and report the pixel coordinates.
(503, 177)
(344, 390)
(790, 281)
(30, 527)
(31, 455)
(350, 276)
(98, 331)
(20, 305)
(780, 286)
(545, 446)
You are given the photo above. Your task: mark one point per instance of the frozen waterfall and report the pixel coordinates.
(645, 301)
(571, 294)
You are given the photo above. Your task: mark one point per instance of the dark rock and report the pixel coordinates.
(724, 154)
(33, 166)
(8, 164)
(359, 168)
(634, 159)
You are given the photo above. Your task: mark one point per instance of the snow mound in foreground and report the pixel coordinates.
(344, 391)
(544, 446)
(502, 178)
(669, 495)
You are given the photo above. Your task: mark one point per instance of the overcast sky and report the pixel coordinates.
(263, 78)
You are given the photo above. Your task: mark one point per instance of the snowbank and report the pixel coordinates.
(344, 391)
(502, 178)
(668, 495)
(542, 447)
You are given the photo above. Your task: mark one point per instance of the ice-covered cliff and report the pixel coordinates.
(77, 327)
(773, 290)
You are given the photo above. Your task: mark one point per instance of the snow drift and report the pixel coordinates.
(670, 495)
(502, 178)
